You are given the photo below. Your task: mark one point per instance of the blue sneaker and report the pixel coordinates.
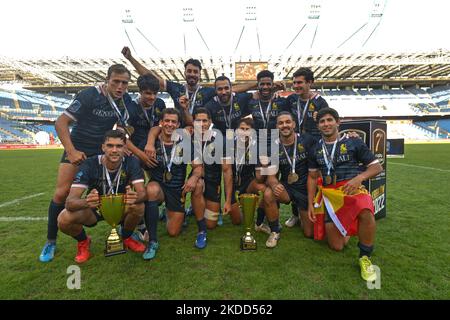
(150, 252)
(48, 252)
(200, 242)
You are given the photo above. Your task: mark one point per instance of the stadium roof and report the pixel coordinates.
(330, 69)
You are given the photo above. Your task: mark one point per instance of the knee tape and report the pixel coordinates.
(211, 215)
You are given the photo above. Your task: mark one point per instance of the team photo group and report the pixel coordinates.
(253, 138)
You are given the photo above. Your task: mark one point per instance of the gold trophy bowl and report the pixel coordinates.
(112, 208)
(248, 203)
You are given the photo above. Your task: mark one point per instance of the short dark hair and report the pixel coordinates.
(171, 111)
(148, 82)
(201, 111)
(194, 62)
(222, 78)
(247, 121)
(325, 111)
(285, 113)
(115, 134)
(305, 72)
(119, 69)
(264, 74)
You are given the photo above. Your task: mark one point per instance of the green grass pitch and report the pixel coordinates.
(412, 246)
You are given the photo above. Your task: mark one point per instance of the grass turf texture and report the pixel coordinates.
(412, 247)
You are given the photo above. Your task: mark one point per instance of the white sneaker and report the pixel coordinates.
(273, 240)
(292, 221)
(262, 228)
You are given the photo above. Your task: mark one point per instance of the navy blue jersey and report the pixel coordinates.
(91, 175)
(177, 169)
(227, 117)
(242, 164)
(212, 162)
(350, 152)
(304, 144)
(203, 95)
(93, 116)
(143, 120)
(314, 105)
(260, 120)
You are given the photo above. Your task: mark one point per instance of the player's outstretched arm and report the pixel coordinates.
(62, 128)
(141, 69)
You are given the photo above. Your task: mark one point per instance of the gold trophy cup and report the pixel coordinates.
(112, 208)
(248, 203)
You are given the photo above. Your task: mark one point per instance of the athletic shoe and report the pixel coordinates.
(273, 240)
(150, 252)
(200, 242)
(134, 245)
(292, 221)
(138, 236)
(83, 252)
(367, 271)
(48, 252)
(262, 228)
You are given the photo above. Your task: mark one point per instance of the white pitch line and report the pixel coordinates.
(20, 199)
(421, 167)
(11, 219)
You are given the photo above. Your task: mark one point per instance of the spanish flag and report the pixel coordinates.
(343, 209)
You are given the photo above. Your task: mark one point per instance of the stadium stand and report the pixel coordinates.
(24, 112)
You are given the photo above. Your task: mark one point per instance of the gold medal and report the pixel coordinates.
(292, 178)
(129, 130)
(168, 176)
(328, 179)
(334, 179)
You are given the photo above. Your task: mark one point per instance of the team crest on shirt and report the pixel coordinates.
(274, 106)
(311, 107)
(300, 147)
(199, 96)
(343, 149)
(179, 151)
(123, 174)
(236, 107)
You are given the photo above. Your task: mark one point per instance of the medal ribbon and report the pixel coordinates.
(327, 157)
(300, 120)
(122, 119)
(192, 98)
(267, 116)
(172, 155)
(292, 163)
(114, 183)
(228, 119)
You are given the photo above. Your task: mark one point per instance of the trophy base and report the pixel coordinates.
(113, 249)
(248, 246)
